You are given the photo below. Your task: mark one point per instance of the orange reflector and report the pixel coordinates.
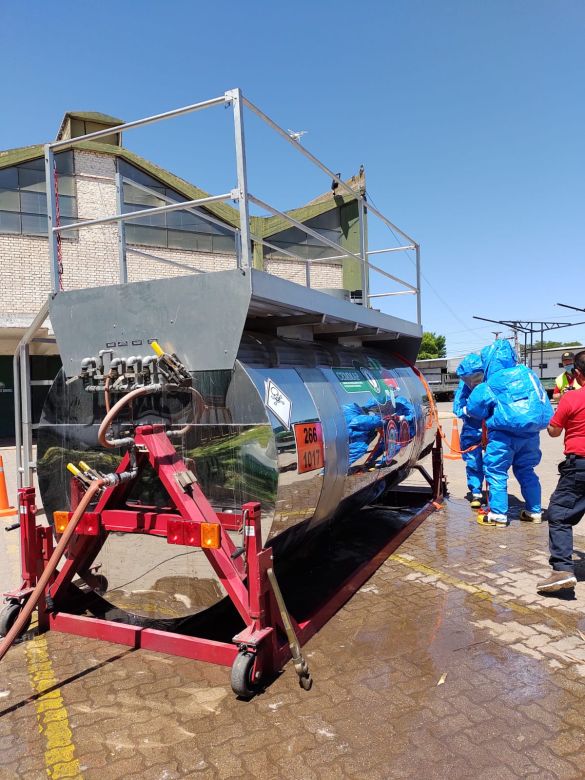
(210, 536)
(61, 520)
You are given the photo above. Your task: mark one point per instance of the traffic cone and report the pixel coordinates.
(455, 453)
(5, 509)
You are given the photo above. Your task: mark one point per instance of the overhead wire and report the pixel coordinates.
(423, 276)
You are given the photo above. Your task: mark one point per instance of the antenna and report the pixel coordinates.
(296, 135)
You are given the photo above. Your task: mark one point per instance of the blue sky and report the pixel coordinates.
(468, 116)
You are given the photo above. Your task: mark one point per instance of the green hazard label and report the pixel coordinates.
(361, 379)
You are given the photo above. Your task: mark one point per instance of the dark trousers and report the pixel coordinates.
(566, 508)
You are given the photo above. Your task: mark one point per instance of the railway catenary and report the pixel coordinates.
(440, 373)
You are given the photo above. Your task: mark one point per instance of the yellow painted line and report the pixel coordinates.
(52, 715)
(474, 590)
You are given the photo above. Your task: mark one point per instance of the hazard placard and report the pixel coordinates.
(310, 451)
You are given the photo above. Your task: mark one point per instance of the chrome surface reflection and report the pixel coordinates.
(310, 430)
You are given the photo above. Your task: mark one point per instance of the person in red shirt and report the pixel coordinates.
(567, 503)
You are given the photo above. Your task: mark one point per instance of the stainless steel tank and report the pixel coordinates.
(303, 418)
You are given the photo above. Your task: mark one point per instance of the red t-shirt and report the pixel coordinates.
(570, 415)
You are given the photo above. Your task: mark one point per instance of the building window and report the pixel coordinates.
(174, 229)
(23, 197)
(308, 247)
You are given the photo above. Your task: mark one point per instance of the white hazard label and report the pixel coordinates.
(279, 404)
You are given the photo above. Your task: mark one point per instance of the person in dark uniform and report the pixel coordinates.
(567, 503)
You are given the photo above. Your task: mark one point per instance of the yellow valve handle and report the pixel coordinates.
(74, 470)
(157, 348)
(83, 466)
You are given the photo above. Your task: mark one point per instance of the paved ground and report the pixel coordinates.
(445, 665)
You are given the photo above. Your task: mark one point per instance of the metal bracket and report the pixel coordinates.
(185, 478)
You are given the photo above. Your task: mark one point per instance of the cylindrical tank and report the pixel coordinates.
(310, 430)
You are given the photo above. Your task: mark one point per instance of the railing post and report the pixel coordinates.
(51, 211)
(26, 416)
(418, 276)
(235, 95)
(122, 263)
(364, 254)
(17, 418)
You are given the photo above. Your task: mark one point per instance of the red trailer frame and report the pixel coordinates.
(192, 521)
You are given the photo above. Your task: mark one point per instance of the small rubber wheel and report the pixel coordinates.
(306, 682)
(241, 677)
(98, 583)
(8, 617)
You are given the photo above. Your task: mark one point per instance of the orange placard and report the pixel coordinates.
(309, 439)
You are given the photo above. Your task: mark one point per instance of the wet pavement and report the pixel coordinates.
(446, 664)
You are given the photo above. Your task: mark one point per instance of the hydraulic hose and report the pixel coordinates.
(434, 410)
(137, 392)
(113, 413)
(50, 568)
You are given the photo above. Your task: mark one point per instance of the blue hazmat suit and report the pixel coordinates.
(515, 408)
(471, 429)
(362, 429)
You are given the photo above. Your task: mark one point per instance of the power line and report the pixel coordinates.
(425, 279)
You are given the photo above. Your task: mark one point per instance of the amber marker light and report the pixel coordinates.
(210, 536)
(61, 520)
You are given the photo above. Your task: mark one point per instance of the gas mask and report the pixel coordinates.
(472, 380)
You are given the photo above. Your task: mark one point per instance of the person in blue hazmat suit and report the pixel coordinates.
(470, 371)
(515, 408)
(364, 423)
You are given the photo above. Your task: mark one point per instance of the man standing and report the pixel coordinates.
(471, 372)
(515, 408)
(567, 503)
(567, 380)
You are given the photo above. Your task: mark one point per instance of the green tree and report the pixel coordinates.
(432, 346)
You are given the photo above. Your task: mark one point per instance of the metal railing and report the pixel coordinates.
(240, 194)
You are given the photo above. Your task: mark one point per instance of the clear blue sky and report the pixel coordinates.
(468, 115)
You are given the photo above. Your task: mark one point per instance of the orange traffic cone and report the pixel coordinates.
(455, 453)
(5, 509)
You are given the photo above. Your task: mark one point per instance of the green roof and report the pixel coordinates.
(94, 116)
(261, 226)
(88, 116)
(22, 154)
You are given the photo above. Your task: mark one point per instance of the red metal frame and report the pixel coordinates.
(243, 576)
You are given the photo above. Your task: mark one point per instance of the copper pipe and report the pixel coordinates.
(107, 392)
(38, 591)
(113, 413)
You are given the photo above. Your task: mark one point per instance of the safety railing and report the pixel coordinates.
(240, 194)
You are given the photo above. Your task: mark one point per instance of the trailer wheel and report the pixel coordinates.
(97, 582)
(306, 682)
(8, 617)
(241, 677)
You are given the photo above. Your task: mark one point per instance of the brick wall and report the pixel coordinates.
(91, 258)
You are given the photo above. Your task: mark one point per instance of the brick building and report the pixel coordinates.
(95, 180)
